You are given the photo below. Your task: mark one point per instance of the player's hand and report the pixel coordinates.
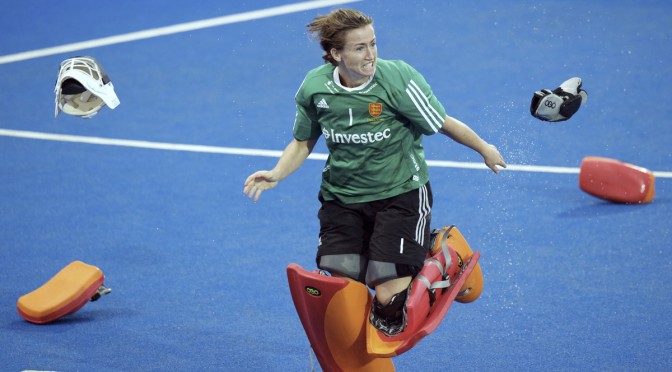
(492, 158)
(258, 182)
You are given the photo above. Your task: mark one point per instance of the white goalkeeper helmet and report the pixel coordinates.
(83, 88)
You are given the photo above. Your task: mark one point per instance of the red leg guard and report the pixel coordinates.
(616, 181)
(333, 312)
(422, 314)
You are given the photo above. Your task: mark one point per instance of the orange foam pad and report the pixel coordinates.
(474, 282)
(333, 312)
(616, 181)
(421, 318)
(63, 294)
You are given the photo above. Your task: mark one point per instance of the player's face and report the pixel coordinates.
(357, 59)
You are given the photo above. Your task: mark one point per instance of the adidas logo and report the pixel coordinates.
(322, 104)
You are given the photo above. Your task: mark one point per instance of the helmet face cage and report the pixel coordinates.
(83, 88)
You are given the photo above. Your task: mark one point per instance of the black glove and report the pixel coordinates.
(559, 104)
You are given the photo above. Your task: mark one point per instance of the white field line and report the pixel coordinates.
(266, 153)
(512, 167)
(174, 29)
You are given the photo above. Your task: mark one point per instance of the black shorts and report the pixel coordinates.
(392, 230)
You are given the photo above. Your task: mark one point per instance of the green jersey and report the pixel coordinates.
(373, 132)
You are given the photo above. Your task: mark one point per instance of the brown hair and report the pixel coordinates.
(331, 29)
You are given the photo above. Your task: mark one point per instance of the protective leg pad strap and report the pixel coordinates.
(616, 181)
(333, 312)
(68, 291)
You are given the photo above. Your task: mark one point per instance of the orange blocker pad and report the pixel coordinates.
(422, 319)
(333, 312)
(616, 181)
(68, 291)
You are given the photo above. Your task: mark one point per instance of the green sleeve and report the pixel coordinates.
(418, 103)
(306, 125)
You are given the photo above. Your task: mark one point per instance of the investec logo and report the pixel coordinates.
(361, 138)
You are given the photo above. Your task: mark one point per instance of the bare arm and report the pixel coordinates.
(462, 134)
(291, 159)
